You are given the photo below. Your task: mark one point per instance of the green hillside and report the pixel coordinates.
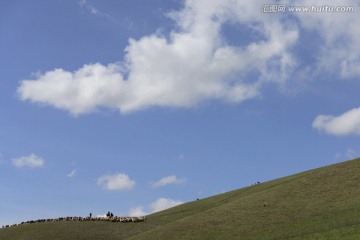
(320, 204)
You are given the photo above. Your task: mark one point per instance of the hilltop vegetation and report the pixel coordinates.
(319, 204)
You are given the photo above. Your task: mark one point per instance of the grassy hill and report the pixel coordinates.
(319, 204)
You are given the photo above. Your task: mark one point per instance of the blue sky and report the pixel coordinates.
(136, 106)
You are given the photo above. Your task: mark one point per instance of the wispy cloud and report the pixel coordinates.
(172, 179)
(339, 51)
(347, 155)
(351, 154)
(72, 173)
(32, 161)
(124, 23)
(1, 159)
(118, 182)
(157, 206)
(93, 10)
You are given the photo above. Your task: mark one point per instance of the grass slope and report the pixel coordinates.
(319, 204)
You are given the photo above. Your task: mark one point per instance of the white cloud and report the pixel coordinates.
(32, 161)
(164, 203)
(172, 179)
(78, 92)
(93, 10)
(157, 206)
(194, 63)
(125, 22)
(1, 159)
(117, 182)
(348, 154)
(351, 154)
(340, 51)
(72, 173)
(345, 124)
(137, 211)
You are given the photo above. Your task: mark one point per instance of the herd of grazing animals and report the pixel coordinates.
(107, 219)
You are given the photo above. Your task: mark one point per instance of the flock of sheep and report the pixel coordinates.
(107, 219)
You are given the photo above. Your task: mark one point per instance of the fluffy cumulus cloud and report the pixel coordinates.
(172, 179)
(157, 206)
(345, 124)
(32, 161)
(78, 92)
(198, 61)
(118, 182)
(193, 63)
